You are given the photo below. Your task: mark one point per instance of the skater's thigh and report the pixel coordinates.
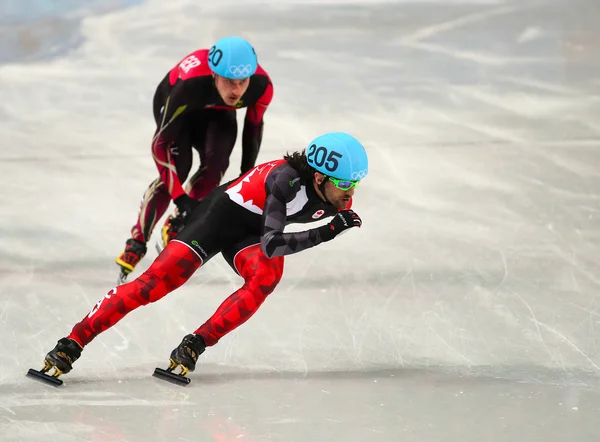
(248, 260)
(214, 136)
(214, 225)
(229, 253)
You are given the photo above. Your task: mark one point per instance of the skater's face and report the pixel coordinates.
(231, 90)
(338, 197)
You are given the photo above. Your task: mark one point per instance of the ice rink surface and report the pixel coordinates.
(466, 309)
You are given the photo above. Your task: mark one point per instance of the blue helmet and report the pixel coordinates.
(338, 155)
(232, 57)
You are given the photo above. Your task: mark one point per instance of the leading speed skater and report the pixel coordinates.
(244, 220)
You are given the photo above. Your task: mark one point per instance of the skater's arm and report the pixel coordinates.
(273, 241)
(177, 104)
(253, 129)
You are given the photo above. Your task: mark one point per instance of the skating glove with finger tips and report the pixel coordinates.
(344, 220)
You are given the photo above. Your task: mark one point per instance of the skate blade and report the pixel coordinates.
(122, 278)
(40, 375)
(169, 376)
(159, 247)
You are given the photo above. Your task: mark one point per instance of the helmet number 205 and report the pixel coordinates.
(320, 155)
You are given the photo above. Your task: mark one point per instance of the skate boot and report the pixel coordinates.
(173, 225)
(61, 359)
(184, 356)
(133, 254)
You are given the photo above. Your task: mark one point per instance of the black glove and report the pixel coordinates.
(344, 220)
(185, 205)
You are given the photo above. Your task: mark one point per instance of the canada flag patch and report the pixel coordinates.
(318, 214)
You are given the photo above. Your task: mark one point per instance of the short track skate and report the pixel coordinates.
(60, 359)
(185, 357)
(49, 379)
(169, 376)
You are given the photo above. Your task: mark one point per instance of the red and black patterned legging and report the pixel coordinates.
(171, 269)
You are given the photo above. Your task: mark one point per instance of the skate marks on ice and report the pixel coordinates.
(362, 405)
(484, 133)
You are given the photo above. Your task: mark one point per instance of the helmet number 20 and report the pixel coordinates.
(321, 156)
(215, 55)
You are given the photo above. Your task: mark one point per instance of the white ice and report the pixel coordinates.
(466, 308)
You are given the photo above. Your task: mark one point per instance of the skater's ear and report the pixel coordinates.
(319, 178)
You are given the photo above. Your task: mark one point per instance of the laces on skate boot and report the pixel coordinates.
(133, 254)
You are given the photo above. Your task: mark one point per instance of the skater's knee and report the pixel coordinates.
(266, 275)
(170, 270)
(214, 172)
(150, 287)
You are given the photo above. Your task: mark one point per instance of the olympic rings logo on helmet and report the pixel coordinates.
(360, 174)
(241, 70)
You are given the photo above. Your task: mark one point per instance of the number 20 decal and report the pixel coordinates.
(320, 155)
(215, 55)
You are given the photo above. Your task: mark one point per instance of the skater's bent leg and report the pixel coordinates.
(261, 276)
(157, 197)
(216, 149)
(154, 204)
(173, 267)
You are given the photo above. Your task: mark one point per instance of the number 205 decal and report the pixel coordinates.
(320, 155)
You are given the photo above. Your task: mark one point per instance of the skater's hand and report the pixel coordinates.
(344, 220)
(186, 205)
